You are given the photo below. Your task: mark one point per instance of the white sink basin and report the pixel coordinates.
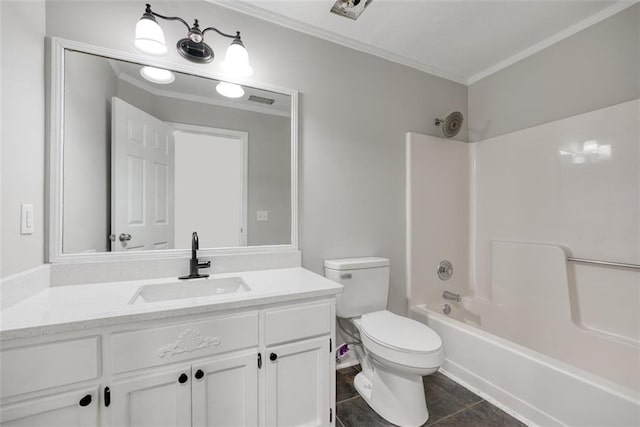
(189, 289)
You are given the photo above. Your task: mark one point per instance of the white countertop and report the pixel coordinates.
(68, 308)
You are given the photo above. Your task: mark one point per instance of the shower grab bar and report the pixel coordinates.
(606, 263)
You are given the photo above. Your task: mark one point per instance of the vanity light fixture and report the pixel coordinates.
(157, 75)
(150, 39)
(229, 90)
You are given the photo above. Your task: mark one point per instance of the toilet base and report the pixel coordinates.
(398, 399)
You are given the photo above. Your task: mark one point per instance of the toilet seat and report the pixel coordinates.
(400, 340)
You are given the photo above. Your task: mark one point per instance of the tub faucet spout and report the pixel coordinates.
(451, 296)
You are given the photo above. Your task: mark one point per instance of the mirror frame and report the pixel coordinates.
(55, 154)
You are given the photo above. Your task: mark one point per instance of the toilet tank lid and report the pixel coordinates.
(355, 263)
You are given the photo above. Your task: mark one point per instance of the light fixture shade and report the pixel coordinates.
(229, 90)
(157, 75)
(236, 61)
(149, 37)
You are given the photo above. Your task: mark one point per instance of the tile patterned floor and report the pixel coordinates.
(449, 405)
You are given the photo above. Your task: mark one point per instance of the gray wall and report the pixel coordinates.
(90, 82)
(595, 68)
(22, 122)
(269, 186)
(355, 110)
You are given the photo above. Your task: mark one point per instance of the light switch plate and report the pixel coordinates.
(26, 218)
(262, 215)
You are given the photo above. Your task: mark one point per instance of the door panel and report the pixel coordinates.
(297, 384)
(61, 410)
(142, 179)
(227, 394)
(156, 400)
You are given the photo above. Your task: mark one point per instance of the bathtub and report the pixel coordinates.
(533, 387)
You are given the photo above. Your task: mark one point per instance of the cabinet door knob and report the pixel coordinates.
(183, 378)
(85, 401)
(273, 357)
(199, 374)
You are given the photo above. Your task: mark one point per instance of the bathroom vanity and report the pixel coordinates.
(98, 354)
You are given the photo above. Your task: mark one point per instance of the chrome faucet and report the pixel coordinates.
(194, 265)
(451, 296)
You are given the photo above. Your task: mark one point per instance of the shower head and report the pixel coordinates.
(451, 125)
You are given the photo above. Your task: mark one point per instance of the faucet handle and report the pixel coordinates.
(195, 244)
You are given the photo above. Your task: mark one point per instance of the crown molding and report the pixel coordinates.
(293, 24)
(559, 36)
(302, 27)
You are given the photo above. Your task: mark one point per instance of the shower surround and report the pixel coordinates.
(508, 211)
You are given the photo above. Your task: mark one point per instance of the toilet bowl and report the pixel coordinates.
(396, 351)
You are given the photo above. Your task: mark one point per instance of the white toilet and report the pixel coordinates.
(396, 352)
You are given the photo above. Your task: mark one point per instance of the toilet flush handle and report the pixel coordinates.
(346, 276)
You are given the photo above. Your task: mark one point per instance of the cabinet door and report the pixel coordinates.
(161, 399)
(73, 409)
(225, 391)
(297, 383)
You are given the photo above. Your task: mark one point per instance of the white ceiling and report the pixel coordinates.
(461, 40)
(200, 89)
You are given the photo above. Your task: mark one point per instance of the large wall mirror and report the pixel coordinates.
(143, 155)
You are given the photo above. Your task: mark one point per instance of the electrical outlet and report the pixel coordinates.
(26, 218)
(262, 215)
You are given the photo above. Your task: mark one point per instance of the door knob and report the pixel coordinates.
(199, 374)
(183, 378)
(124, 237)
(273, 357)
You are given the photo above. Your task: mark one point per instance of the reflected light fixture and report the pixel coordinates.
(229, 90)
(157, 75)
(150, 39)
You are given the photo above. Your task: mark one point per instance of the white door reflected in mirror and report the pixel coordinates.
(142, 169)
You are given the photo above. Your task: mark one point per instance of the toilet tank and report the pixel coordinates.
(365, 281)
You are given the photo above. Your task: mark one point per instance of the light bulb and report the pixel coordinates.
(236, 61)
(157, 75)
(229, 90)
(149, 37)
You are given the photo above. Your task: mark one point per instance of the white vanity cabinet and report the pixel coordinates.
(266, 366)
(39, 382)
(221, 391)
(299, 353)
(297, 386)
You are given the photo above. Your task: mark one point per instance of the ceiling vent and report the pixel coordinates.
(261, 100)
(351, 9)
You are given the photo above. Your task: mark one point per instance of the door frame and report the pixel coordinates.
(243, 137)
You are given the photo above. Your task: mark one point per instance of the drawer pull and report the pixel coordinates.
(85, 401)
(273, 357)
(183, 378)
(107, 396)
(199, 374)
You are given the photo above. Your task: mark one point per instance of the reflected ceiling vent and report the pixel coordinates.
(261, 100)
(351, 9)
